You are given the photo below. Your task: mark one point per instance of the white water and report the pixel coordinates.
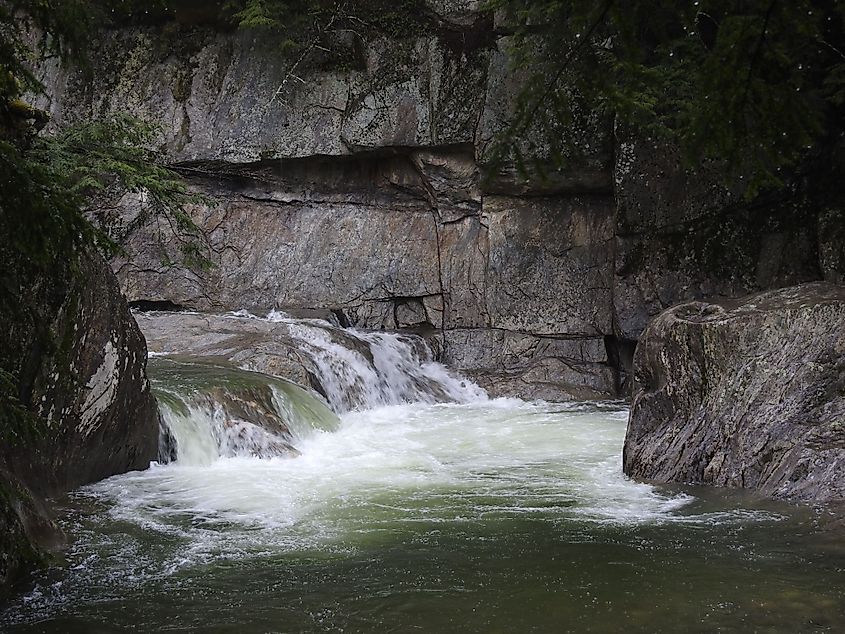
(214, 411)
(500, 516)
(385, 459)
(363, 370)
(395, 466)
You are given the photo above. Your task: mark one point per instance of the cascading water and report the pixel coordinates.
(380, 369)
(409, 501)
(212, 411)
(364, 370)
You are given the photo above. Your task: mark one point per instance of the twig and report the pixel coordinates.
(314, 44)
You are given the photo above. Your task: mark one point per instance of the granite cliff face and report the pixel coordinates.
(748, 394)
(359, 190)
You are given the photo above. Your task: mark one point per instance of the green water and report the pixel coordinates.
(489, 517)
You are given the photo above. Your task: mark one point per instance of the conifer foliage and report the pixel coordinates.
(752, 84)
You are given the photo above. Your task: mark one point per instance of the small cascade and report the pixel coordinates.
(360, 370)
(212, 406)
(211, 411)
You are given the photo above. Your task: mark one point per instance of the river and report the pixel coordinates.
(474, 516)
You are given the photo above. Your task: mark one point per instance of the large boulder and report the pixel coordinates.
(747, 393)
(83, 409)
(88, 390)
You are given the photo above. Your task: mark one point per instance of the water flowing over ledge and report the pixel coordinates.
(210, 408)
(351, 369)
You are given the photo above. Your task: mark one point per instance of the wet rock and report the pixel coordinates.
(86, 386)
(25, 529)
(365, 190)
(89, 390)
(252, 344)
(509, 363)
(749, 393)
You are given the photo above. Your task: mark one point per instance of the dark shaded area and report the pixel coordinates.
(162, 305)
(620, 356)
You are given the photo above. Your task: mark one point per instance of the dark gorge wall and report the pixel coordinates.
(357, 188)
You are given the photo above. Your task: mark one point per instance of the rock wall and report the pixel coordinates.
(83, 410)
(357, 189)
(749, 394)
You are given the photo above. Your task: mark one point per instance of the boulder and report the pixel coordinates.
(746, 393)
(83, 410)
(89, 390)
(257, 345)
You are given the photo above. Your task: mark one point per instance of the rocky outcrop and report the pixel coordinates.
(23, 524)
(257, 345)
(358, 188)
(83, 411)
(88, 390)
(359, 191)
(749, 393)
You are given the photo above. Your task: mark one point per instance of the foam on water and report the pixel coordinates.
(211, 411)
(399, 464)
(395, 468)
(409, 469)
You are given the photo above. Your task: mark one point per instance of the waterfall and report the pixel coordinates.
(359, 370)
(212, 408)
(210, 411)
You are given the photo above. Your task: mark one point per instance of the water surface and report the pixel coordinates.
(493, 516)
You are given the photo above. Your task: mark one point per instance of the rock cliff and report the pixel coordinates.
(357, 188)
(749, 394)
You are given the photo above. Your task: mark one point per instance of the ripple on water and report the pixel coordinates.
(428, 517)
